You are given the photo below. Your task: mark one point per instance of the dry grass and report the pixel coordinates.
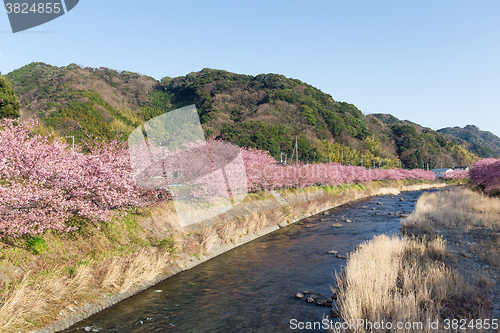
(39, 299)
(404, 280)
(434, 274)
(453, 208)
(470, 220)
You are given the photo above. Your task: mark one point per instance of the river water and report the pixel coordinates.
(252, 287)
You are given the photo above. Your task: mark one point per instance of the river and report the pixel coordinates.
(252, 287)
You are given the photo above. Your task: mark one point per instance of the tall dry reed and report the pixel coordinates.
(403, 280)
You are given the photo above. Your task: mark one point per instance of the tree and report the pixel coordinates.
(9, 102)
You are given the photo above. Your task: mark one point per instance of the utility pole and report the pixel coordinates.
(342, 163)
(72, 136)
(297, 149)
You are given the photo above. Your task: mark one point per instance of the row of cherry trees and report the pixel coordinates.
(265, 174)
(44, 183)
(456, 175)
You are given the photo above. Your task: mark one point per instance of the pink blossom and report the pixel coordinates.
(486, 173)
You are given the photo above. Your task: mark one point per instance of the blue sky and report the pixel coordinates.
(436, 63)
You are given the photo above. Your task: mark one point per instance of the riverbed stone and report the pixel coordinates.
(379, 203)
(341, 257)
(332, 252)
(320, 302)
(309, 299)
(299, 295)
(337, 225)
(374, 208)
(401, 199)
(348, 221)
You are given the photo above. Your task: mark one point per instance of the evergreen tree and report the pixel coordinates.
(9, 102)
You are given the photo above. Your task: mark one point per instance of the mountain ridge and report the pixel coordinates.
(483, 143)
(266, 111)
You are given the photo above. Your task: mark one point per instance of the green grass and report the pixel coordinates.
(36, 244)
(167, 243)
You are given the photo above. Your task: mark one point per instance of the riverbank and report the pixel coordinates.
(66, 278)
(445, 267)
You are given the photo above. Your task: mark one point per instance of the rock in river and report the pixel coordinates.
(320, 302)
(332, 252)
(337, 225)
(299, 295)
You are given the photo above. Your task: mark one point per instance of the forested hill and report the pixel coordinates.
(483, 143)
(105, 102)
(267, 111)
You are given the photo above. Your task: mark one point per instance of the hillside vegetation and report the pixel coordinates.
(9, 103)
(482, 143)
(267, 111)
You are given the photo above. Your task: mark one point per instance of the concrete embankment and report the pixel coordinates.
(250, 220)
